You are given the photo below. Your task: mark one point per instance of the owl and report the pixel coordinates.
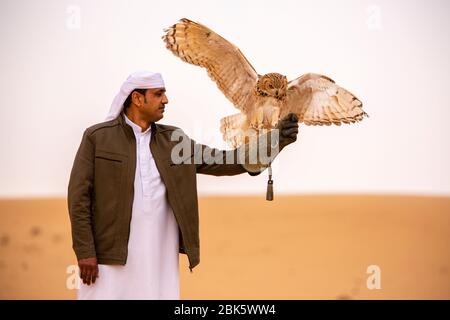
(261, 99)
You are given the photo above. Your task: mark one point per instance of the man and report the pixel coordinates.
(132, 207)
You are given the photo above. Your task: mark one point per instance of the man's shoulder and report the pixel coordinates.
(102, 125)
(165, 127)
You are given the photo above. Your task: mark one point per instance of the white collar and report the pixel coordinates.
(136, 128)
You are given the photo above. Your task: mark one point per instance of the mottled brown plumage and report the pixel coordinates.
(262, 100)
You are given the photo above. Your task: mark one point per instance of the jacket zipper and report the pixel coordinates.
(165, 182)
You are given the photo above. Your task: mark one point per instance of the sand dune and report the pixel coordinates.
(297, 247)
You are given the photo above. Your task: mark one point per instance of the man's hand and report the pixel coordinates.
(288, 129)
(88, 270)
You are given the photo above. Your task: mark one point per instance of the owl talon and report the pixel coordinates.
(254, 126)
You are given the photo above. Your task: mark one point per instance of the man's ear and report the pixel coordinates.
(136, 98)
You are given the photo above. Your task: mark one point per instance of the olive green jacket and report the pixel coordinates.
(101, 188)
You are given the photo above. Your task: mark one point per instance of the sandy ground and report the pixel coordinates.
(297, 247)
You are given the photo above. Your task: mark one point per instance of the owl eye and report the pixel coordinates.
(270, 86)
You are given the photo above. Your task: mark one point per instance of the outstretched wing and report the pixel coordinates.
(226, 65)
(317, 100)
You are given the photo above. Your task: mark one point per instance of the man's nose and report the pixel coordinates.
(165, 100)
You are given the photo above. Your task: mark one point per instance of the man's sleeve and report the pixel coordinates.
(246, 158)
(79, 199)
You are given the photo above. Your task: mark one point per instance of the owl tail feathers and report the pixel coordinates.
(233, 128)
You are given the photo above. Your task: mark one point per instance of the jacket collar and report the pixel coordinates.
(128, 129)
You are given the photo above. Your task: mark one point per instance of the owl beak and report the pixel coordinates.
(279, 96)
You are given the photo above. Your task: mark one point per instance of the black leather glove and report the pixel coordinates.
(288, 129)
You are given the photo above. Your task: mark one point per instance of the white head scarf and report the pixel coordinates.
(137, 80)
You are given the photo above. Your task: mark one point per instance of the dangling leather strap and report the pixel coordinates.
(269, 193)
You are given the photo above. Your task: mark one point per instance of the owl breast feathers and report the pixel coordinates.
(261, 99)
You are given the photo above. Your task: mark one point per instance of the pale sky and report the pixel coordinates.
(62, 62)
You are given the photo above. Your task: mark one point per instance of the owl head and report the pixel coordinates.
(272, 85)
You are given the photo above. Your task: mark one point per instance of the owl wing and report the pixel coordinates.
(317, 100)
(226, 65)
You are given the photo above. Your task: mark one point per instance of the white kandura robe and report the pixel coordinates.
(151, 270)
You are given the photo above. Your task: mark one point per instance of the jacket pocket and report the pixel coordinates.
(109, 172)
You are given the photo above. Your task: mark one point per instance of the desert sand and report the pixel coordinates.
(296, 247)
